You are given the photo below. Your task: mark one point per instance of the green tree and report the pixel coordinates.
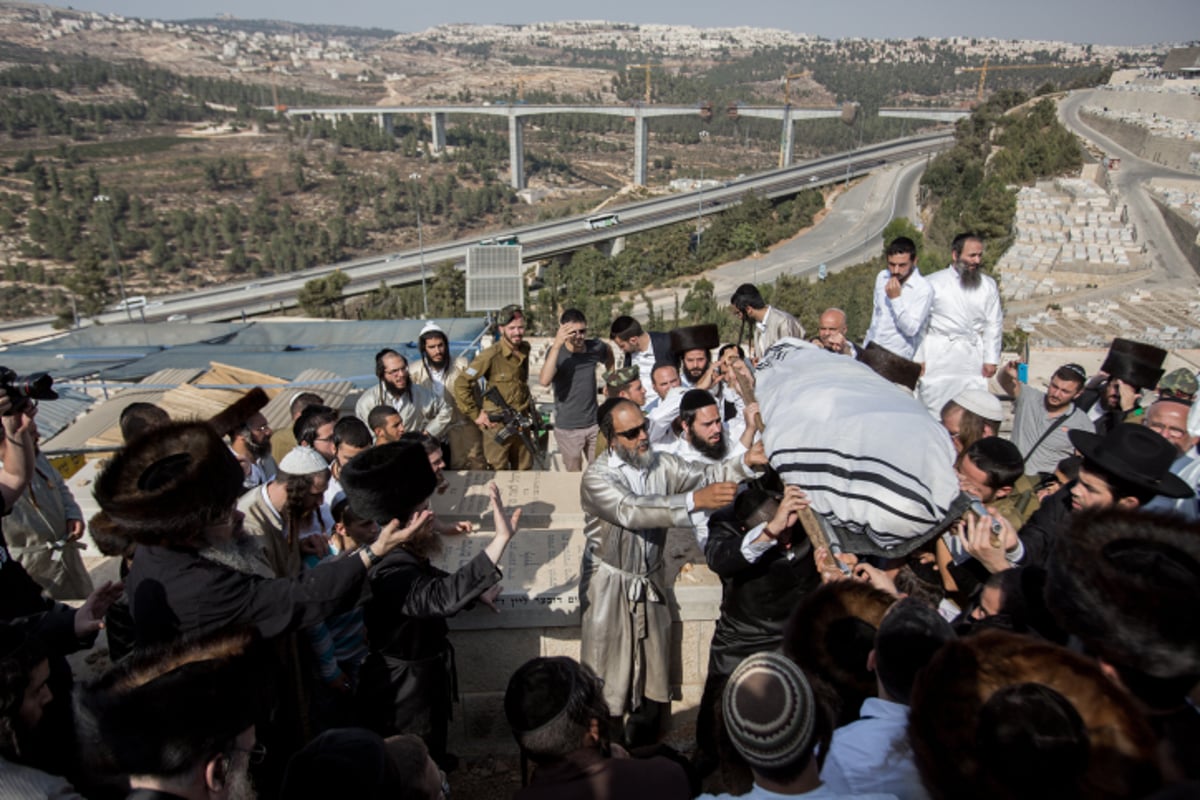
(322, 297)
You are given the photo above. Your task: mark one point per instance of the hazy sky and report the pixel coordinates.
(1098, 21)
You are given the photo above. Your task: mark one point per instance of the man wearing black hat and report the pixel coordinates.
(505, 367)
(408, 680)
(1129, 367)
(179, 720)
(693, 347)
(1124, 469)
(630, 495)
(556, 710)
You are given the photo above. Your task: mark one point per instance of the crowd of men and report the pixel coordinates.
(281, 626)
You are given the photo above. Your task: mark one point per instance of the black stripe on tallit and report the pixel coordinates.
(864, 477)
(853, 457)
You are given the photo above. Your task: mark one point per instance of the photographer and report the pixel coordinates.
(505, 367)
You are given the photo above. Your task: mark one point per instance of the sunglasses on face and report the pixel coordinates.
(634, 433)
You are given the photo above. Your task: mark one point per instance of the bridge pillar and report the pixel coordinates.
(437, 127)
(788, 140)
(611, 247)
(641, 143)
(386, 122)
(516, 150)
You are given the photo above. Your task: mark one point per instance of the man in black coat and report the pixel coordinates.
(408, 681)
(766, 567)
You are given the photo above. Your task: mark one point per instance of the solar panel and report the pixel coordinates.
(494, 277)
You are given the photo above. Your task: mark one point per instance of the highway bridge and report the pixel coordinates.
(639, 113)
(538, 241)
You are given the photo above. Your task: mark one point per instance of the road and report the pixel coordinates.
(1130, 180)
(538, 241)
(848, 234)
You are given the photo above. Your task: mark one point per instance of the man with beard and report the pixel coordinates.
(408, 680)
(902, 300)
(251, 443)
(641, 348)
(1123, 469)
(769, 324)
(249, 436)
(693, 348)
(831, 333)
(505, 367)
(570, 367)
(1041, 419)
(630, 495)
(961, 344)
(1116, 394)
(438, 372)
(197, 572)
(179, 720)
(314, 429)
(420, 409)
(287, 510)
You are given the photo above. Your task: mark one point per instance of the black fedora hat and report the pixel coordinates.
(1136, 455)
(1135, 363)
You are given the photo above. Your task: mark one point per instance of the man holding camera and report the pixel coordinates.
(570, 367)
(505, 367)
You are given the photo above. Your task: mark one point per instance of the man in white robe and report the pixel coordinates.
(961, 344)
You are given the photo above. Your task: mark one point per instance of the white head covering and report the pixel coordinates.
(303, 460)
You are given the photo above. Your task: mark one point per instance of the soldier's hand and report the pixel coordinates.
(483, 421)
(715, 495)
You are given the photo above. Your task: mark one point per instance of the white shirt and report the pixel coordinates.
(872, 754)
(683, 448)
(896, 323)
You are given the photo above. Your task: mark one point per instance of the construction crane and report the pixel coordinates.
(273, 68)
(983, 71)
(787, 84)
(646, 67)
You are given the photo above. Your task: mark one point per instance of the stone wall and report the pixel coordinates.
(539, 612)
(1186, 235)
(1173, 153)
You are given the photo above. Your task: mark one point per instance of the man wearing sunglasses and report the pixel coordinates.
(630, 496)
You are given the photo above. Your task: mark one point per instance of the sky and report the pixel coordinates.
(1087, 21)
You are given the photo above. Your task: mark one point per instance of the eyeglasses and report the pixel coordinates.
(1162, 429)
(256, 754)
(633, 434)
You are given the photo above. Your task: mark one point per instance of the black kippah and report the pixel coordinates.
(538, 692)
(695, 399)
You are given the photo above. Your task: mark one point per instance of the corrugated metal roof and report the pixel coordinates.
(55, 415)
(333, 359)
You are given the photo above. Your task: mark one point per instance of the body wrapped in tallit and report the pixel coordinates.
(877, 468)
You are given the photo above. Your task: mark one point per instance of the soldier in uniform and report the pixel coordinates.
(505, 366)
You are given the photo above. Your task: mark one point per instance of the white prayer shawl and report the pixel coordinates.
(873, 463)
(963, 333)
(896, 324)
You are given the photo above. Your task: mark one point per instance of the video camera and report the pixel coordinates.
(528, 426)
(20, 389)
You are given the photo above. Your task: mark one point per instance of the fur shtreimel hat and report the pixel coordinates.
(895, 368)
(1076, 734)
(770, 712)
(164, 487)
(164, 709)
(240, 412)
(1127, 584)
(1135, 363)
(694, 337)
(388, 481)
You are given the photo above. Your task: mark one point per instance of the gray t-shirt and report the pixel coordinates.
(1030, 421)
(575, 385)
